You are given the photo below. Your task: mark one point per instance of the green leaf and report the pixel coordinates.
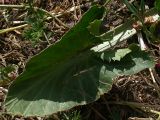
(115, 54)
(76, 81)
(57, 79)
(121, 53)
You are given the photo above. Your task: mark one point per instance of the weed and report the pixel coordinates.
(75, 115)
(35, 20)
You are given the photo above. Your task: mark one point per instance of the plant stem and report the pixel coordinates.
(98, 113)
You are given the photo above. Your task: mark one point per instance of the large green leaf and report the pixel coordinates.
(69, 74)
(49, 83)
(76, 81)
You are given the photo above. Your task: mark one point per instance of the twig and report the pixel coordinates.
(13, 6)
(99, 114)
(21, 26)
(3, 62)
(53, 14)
(107, 106)
(23, 6)
(12, 28)
(134, 104)
(156, 112)
(3, 90)
(141, 41)
(108, 1)
(79, 7)
(143, 47)
(154, 82)
(75, 12)
(121, 8)
(63, 24)
(46, 38)
(5, 16)
(136, 118)
(141, 106)
(146, 80)
(18, 22)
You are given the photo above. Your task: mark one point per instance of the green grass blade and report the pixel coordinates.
(131, 8)
(142, 6)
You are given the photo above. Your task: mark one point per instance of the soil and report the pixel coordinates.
(126, 90)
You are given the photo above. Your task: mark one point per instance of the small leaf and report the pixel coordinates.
(121, 53)
(115, 55)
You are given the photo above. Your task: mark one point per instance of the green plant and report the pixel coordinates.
(4, 71)
(75, 115)
(7, 74)
(35, 27)
(139, 12)
(75, 71)
(35, 19)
